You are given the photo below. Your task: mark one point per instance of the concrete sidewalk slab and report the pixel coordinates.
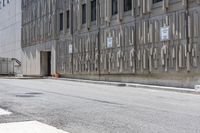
(143, 86)
(4, 112)
(120, 84)
(22, 78)
(165, 88)
(28, 127)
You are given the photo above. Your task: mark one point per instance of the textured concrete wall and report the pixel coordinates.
(137, 52)
(39, 27)
(10, 30)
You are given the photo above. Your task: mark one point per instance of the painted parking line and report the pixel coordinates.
(28, 127)
(4, 112)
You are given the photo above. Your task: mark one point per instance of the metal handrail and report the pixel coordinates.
(17, 61)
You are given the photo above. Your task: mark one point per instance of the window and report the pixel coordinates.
(61, 21)
(156, 1)
(3, 2)
(93, 10)
(114, 7)
(83, 13)
(68, 20)
(127, 5)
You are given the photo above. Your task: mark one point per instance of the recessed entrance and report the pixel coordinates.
(45, 63)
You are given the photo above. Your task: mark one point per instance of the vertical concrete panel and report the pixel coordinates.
(53, 60)
(37, 62)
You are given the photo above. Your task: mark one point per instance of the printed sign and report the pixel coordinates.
(109, 42)
(70, 49)
(164, 33)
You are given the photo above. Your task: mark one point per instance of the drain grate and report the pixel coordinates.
(29, 94)
(24, 95)
(33, 93)
(121, 85)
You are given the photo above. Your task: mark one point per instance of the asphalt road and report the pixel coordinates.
(90, 108)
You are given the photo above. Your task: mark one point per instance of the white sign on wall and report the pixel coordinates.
(109, 42)
(70, 49)
(164, 33)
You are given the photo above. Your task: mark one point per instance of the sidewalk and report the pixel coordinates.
(143, 86)
(119, 84)
(20, 77)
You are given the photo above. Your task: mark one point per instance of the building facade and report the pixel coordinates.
(144, 41)
(10, 33)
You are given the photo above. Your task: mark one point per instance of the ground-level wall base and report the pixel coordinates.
(174, 80)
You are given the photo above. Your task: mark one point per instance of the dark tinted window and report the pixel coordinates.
(68, 19)
(127, 5)
(3, 2)
(93, 10)
(114, 7)
(61, 21)
(156, 1)
(83, 13)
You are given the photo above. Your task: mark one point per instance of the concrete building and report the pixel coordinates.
(10, 32)
(145, 41)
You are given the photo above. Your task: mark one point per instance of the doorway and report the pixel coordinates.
(45, 63)
(48, 63)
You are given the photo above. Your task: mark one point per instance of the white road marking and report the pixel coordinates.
(4, 112)
(28, 127)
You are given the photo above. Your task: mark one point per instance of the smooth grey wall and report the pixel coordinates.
(10, 30)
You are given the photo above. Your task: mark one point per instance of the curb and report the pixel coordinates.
(143, 86)
(22, 78)
(94, 82)
(164, 88)
(118, 84)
